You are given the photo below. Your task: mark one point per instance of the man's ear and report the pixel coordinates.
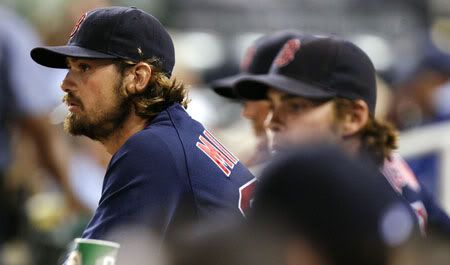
(137, 78)
(356, 118)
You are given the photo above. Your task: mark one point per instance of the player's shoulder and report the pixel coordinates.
(159, 140)
(144, 154)
(146, 143)
(399, 174)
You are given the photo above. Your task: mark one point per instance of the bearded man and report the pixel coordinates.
(166, 168)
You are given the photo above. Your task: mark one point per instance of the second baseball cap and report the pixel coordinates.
(317, 68)
(257, 60)
(112, 33)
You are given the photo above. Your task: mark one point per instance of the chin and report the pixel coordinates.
(77, 126)
(73, 126)
(276, 147)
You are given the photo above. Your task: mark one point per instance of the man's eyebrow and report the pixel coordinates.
(289, 96)
(68, 59)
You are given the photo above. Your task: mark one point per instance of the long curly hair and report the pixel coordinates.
(378, 138)
(160, 93)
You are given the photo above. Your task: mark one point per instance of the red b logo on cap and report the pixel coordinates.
(287, 53)
(248, 58)
(77, 26)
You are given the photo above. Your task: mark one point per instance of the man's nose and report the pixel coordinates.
(247, 110)
(68, 84)
(274, 121)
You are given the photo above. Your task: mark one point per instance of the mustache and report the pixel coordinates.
(69, 99)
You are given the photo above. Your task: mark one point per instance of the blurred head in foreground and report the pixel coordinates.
(317, 206)
(313, 207)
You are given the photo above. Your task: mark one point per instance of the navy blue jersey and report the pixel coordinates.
(172, 171)
(403, 180)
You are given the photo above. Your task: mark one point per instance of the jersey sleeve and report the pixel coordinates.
(142, 186)
(403, 180)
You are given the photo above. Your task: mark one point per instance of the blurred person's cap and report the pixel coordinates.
(257, 60)
(343, 207)
(317, 68)
(112, 33)
(435, 59)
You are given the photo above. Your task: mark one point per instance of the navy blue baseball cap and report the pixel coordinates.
(257, 60)
(317, 68)
(112, 33)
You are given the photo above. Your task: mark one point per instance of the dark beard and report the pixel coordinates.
(105, 125)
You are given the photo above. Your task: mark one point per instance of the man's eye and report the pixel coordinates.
(299, 107)
(84, 67)
(295, 106)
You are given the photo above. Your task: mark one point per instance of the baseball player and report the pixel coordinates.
(166, 168)
(323, 89)
(257, 60)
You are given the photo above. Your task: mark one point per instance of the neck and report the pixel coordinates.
(132, 125)
(352, 146)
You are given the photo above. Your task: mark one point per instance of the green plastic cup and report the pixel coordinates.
(93, 252)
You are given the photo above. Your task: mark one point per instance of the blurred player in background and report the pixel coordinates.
(166, 168)
(323, 89)
(25, 102)
(422, 97)
(257, 60)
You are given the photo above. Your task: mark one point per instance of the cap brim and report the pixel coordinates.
(55, 56)
(225, 87)
(255, 87)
